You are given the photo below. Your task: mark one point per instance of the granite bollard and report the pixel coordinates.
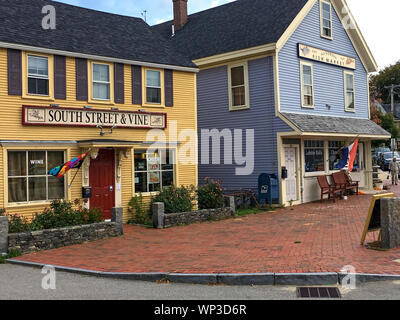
(3, 234)
(390, 222)
(117, 216)
(158, 215)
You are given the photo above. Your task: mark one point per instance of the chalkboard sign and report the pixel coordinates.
(373, 222)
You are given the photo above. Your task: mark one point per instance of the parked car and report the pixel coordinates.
(388, 158)
(378, 151)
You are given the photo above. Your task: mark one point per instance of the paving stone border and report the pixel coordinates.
(239, 279)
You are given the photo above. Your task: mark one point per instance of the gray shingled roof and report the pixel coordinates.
(324, 124)
(86, 31)
(234, 26)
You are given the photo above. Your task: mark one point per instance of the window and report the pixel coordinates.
(349, 91)
(238, 87)
(334, 155)
(101, 81)
(307, 84)
(28, 179)
(154, 170)
(153, 86)
(326, 19)
(38, 75)
(314, 155)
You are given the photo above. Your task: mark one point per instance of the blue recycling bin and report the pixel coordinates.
(268, 188)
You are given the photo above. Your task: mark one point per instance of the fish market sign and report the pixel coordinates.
(70, 117)
(324, 56)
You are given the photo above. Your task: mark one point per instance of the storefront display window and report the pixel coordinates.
(314, 155)
(154, 170)
(28, 179)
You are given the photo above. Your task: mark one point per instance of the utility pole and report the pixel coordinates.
(144, 15)
(392, 87)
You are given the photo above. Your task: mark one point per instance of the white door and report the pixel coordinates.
(291, 181)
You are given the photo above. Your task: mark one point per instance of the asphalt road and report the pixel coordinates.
(19, 282)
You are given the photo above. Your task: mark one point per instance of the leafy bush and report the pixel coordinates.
(60, 214)
(210, 195)
(10, 255)
(141, 214)
(177, 200)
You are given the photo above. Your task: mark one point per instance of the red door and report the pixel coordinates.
(102, 181)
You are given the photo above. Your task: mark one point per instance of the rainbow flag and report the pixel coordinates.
(75, 163)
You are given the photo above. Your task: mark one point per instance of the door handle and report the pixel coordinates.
(111, 188)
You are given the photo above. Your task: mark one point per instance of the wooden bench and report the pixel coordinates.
(341, 182)
(331, 190)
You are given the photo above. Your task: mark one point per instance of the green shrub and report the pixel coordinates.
(141, 214)
(210, 195)
(177, 200)
(10, 255)
(60, 214)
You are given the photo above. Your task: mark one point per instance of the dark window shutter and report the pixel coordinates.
(81, 79)
(14, 72)
(119, 95)
(169, 88)
(137, 85)
(60, 80)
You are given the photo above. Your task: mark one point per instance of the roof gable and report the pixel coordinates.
(86, 31)
(234, 26)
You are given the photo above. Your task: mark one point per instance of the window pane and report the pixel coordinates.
(167, 157)
(38, 86)
(56, 188)
(308, 100)
(37, 189)
(154, 161)
(140, 160)
(350, 100)
(237, 74)
(140, 182)
(153, 78)
(38, 66)
(239, 96)
(327, 24)
(17, 190)
(153, 95)
(326, 11)
(349, 81)
(101, 72)
(17, 164)
(55, 158)
(101, 91)
(334, 156)
(36, 163)
(154, 181)
(314, 156)
(168, 179)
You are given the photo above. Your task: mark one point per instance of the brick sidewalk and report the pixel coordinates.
(317, 237)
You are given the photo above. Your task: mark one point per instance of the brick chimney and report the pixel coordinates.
(180, 13)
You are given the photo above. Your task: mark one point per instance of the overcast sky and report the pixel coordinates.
(379, 21)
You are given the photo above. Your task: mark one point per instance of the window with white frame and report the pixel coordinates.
(307, 84)
(154, 170)
(326, 19)
(38, 75)
(28, 178)
(349, 91)
(314, 153)
(101, 81)
(238, 86)
(153, 86)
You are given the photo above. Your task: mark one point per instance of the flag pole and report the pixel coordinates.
(73, 179)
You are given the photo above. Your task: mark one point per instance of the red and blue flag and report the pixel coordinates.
(75, 163)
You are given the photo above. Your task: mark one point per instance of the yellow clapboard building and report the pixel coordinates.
(98, 83)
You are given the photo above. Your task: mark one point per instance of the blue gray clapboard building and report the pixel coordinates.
(294, 71)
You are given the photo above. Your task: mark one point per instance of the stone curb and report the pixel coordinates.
(240, 279)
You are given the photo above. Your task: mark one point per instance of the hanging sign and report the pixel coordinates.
(71, 117)
(324, 56)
